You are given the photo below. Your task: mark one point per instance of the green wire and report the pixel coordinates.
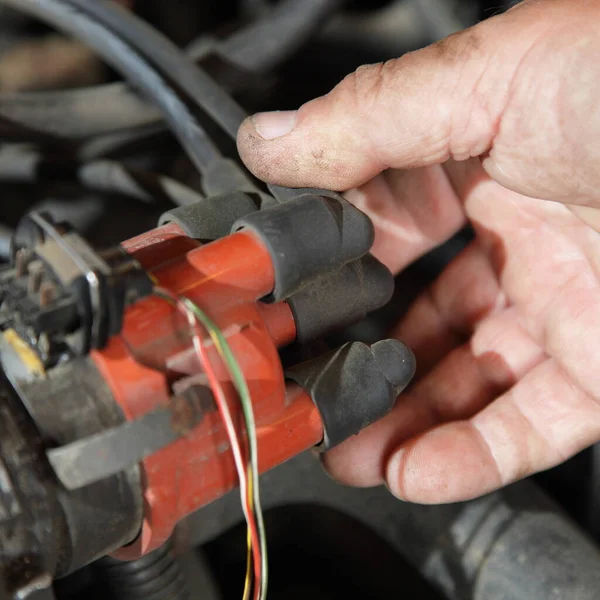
(239, 382)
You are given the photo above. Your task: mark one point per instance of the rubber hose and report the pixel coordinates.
(156, 576)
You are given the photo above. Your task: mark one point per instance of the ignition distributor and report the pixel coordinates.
(111, 431)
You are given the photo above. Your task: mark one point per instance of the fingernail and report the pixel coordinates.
(392, 474)
(272, 125)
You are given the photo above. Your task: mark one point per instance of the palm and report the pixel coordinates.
(505, 339)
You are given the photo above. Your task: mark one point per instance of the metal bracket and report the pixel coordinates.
(61, 294)
(99, 456)
(82, 256)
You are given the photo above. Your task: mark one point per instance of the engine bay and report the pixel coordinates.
(173, 328)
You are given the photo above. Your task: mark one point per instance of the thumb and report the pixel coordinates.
(444, 101)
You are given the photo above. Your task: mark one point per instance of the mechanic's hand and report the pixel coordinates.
(508, 339)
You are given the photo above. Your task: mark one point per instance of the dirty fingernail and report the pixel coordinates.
(272, 125)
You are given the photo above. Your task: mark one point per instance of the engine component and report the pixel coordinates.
(307, 237)
(104, 176)
(61, 295)
(147, 403)
(157, 576)
(63, 303)
(377, 375)
(46, 530)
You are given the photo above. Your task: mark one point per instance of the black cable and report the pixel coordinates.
(189, 77)
(102, 176)
(113, 107)
(176, 66)
(210, 98)
(132, 66)
(169, 59)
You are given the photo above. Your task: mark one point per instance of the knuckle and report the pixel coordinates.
(369, 84)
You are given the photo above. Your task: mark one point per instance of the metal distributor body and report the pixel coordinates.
(46, 530)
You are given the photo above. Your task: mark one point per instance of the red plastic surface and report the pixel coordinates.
(226, 278)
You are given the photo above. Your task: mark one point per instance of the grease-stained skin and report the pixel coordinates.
(499, 126)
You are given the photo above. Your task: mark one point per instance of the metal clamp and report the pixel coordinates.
(99, 456)
(78, 256)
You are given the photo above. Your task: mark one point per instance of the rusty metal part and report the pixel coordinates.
(31, 520)
(47, 293)
(61, 295)
(69, 403)
(113, 450)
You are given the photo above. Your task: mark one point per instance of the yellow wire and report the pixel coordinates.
(248, 583)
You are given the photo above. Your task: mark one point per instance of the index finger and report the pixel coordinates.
(412, 211)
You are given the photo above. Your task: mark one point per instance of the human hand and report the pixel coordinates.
(474, 128)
